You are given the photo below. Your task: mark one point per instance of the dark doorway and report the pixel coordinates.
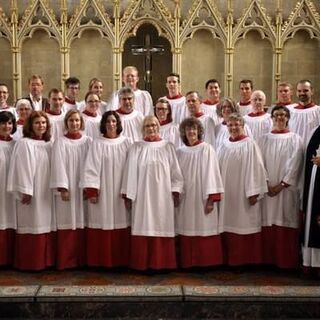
(159, 55)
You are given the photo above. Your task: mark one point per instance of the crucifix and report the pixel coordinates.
(147, 50)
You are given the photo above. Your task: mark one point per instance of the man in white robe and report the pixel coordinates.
(305, 115)
(142, 98)
(209, 105)
(72, 85)
(246, 88)
(193, 101)
(55, 113)
(131, 119)
(176, 99)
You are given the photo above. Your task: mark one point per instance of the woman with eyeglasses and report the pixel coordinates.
(282, 153)
(151, 187)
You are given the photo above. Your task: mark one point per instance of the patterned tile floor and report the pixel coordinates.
(251, 276)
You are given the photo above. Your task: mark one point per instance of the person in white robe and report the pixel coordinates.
(131, 119)
(282, 153)
(209, 105)
(29, 179)
(224, 108)
(91, 116)
(151, 186)
(96, 87)
(197, 218)
(284, 95)
(4, 95)
(175, 98)
(168, 129)
(8, 217)
(68, 157)
(304, 116)
(245, 90)
(108, 226)
(55, 113)
(24, 110)
(142, 98)
(245, 183)
(193, 101)
(72, 88)
(258, 120)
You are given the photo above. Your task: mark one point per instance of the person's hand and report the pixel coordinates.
(316, 161)
(94, 200)
(65, 195)
(253, 200)
(209, 206)
(128, 204)
(26, 198)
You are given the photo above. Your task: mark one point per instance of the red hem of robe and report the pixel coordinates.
(198, 251)
(6, 246)
(152, 253)
(108, 248)
(71, 248)
(280, 246)
(241, 249)
(35, 251)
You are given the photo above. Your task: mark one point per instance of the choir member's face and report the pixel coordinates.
(93, 103)
(97, 88)
(36, 87)
(130, 78)
(56, 101)
(245, 91)
(73, 91)
(74, 123)
(213, 91)
(4, 95)
(126, 102)
(235, 128)
(6, 128)
(192, 134)
(111, 126)
(193, 103)
(304, 92)
(284, 94)
(280, 119)
(162, 111)
(258, 101)
(39, 126)
(151, 128)
(173, 85)
(24, 111)
(226, 111)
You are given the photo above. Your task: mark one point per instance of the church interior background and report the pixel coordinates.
(264, 40)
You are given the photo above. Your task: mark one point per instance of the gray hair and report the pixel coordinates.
(22, 102)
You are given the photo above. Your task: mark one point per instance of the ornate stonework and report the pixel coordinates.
(118, 20)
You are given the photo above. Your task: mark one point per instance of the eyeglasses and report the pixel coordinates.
(162, 109)
(153, 125)
(280, 114)
(93, 101)
(5, 92)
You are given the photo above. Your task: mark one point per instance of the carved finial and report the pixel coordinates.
(116, 9)
(177, 11)
(14, 11)
(63, 7)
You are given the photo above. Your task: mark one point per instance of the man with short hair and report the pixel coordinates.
(4, 95)
(209, 106)
(284, 94)
(305, 115)
(72, 88)
(142, 98)
(176, 99)
(131, 119)
(246, 88)
(55, 113)
(35, 83)
(193, 100)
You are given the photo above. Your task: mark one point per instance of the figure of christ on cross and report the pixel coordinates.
(147, 50)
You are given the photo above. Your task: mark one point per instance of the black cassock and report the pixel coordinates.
(314, 232)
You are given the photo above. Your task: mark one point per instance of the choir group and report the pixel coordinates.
(189, 182)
